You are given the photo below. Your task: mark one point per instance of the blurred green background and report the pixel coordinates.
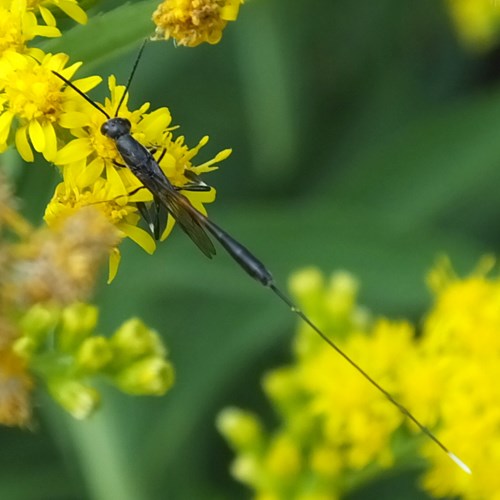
(364, 136)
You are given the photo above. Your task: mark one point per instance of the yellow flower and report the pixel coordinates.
(81, 188)
(85, 123)
(461, 339)
(18, 26)
(192, 22)
(335, 431)
(92, 174)
(358, 420)
(32, 94)
(477, 22)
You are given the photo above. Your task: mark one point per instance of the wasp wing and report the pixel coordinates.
(188, 218)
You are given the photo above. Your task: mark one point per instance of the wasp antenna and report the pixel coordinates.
(78, 91)
(334, 346)
(132, 73)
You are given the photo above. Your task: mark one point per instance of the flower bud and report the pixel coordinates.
(241, 428)
(75, 397)
(152, 376)
(94, 354)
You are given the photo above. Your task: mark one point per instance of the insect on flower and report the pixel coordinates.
(198, 227)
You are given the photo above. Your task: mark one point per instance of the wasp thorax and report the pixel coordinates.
(116, 127)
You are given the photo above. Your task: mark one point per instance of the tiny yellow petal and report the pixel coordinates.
(114, 263)
(73, 119)
(88, 83)
(168, 229)
(90, 173)
(50, 149)
(37, 136)
(159, 120)
(23, 145)
(117, 187)
(74, 151)
(74, 11)
(47, 31)
(47, 16)
(230, 11)
(5, 123)
(139, 236)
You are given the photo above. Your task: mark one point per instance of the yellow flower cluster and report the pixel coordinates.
(38, 112)
(462, 345)
(48, 332)
(192, 22)
(477, 22)
(336, 432)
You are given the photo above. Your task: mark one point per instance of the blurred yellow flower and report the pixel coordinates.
(461, 338)
(16, 385)
(477, 22)
(339, 432)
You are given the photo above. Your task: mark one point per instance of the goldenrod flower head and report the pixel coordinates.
(18, 26)
(332, 303)
(77, 246)
(192, 22)
(91, 175)
(33, 102)
(241, 428)
(283, 458)
(325, 461)
(461, 340)
(357, 419)
(477, 22)
(81, 189)
(69, 7)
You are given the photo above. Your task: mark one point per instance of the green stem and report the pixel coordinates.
(98, 449)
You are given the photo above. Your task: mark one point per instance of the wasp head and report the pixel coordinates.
(115, 127)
